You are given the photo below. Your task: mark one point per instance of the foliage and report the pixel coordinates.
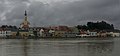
(96, 25)
(17, 34)
(10, 26)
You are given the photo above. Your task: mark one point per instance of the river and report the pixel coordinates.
(65, 47)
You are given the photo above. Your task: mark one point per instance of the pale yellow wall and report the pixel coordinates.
(21, 33)
(13, 34)
(24, 33)
(59, 33)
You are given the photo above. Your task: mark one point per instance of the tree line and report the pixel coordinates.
(8, 26)
(96, 26)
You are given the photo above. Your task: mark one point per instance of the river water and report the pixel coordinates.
(65, 47)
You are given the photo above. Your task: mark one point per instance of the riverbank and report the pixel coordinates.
(58, 37)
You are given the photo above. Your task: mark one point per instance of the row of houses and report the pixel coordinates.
(54, 31)
(58, 31)
(95, 33)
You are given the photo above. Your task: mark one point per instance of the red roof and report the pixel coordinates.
(60, 28)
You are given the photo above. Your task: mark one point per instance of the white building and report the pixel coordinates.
(114, 34)
(5, 33)
(51, 31)
(41, 32)
(92, 33)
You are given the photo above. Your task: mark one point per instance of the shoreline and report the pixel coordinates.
(58, 37)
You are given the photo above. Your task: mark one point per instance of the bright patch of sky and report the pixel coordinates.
(53, 1)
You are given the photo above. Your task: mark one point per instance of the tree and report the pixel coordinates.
(100, 25)
(96, 25)
(82, 27)
(18, 33)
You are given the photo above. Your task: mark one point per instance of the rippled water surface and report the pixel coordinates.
(42, 47)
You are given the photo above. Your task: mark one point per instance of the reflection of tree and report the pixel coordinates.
(100, 49)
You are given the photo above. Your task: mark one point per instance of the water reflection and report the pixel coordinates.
(100, 49)
(54, 48)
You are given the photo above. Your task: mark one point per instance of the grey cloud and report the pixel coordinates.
(62, 12)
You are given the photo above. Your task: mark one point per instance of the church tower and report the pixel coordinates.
(25, 24)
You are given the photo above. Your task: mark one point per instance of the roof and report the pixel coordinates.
(23, 31)
(16, 30)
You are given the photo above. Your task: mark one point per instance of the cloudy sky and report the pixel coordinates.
(59, 12)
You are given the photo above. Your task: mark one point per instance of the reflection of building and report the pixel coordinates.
(25, 24)
(84, 48)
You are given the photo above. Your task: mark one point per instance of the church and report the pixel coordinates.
(23, 31)
(25, 24)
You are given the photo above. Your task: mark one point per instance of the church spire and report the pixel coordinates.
(25, 24)
(25, 13)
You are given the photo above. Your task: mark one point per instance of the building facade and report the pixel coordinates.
(25, 24)
(5, 33)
